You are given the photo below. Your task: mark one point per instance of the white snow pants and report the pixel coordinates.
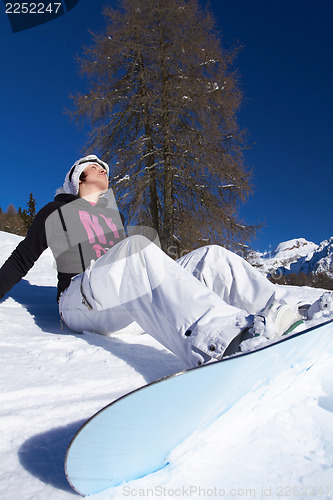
(194, 306)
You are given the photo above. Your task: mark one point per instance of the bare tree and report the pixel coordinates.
(162, 104)
(11, 221)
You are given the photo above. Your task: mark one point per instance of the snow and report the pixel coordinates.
(322, 259)
(276, 446)
(299, 247)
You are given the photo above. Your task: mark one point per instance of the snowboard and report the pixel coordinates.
(133, 436)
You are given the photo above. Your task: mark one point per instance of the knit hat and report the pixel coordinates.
(71, 183)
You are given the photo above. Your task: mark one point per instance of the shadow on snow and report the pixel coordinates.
(43, 455)
(41, 303)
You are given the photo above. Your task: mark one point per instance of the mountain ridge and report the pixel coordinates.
(296, 256)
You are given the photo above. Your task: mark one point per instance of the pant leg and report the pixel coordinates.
(233, 279)
(163, 298)
(80, 317)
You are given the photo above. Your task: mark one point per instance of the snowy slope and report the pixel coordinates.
(52, 380)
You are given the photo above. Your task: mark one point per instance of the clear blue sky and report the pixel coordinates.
(287, 77)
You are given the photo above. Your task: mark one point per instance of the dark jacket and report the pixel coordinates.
(75, 230)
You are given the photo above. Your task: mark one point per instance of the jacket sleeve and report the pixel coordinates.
(26, 253)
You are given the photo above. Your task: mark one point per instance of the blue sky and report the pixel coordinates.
(286, 75)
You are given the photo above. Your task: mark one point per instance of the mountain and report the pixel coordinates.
(322, 259)
(296, 256)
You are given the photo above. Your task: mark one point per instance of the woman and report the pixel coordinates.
(200, 307)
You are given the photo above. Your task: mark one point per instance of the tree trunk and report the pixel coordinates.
(149, 153)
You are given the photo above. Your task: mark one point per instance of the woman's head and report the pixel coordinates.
(80, 172)
(94, 179)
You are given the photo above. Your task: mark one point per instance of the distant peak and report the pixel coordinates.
(295, 244)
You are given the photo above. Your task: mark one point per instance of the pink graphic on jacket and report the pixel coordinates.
(112, 226)
(93, 229)
(99, 250)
